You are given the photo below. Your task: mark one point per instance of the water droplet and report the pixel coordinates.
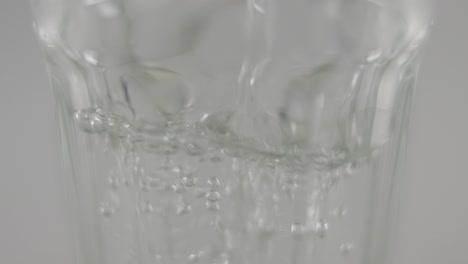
(212, 205)
(194, 149)
(213, 182)
(183, 209)
(346, 248)
(321, 228)
(213, 196)
(106, 209)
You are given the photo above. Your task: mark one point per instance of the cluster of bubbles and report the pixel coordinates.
(175, 143)
(203, 139)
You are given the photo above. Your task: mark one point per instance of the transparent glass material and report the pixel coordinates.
(232, 131)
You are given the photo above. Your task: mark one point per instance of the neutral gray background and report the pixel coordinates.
(435, 209)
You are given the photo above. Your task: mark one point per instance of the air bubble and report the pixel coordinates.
(349, 169)
(146, 184)
(189, 180)
(212, 205)
(122, 130)
(236, 167)
(194, 149)
(89, 121)
(106, 209)
(129, 181)
(170, 148)
(217, 123)
(113, 182)
(48, 37)
(213, 196)
(194, 257)
(117, 127)
(180, 170)
(346, 248)
(297, 229)
(339, 212)
(216, 158)
(106, 8)
(178, 188)
(122, 111)
(200, 192)
(90, 57)
(213, 182)
(222, 259)
(260, 5)
(96, 122)
(266, 229)
(147, 207)
(92, 2)
(289, 186)
(183, 209)
(373, 56)
(321, 228)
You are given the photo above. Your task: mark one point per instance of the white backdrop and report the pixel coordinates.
(435, 202)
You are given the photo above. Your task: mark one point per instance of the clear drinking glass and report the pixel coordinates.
(232, 131)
